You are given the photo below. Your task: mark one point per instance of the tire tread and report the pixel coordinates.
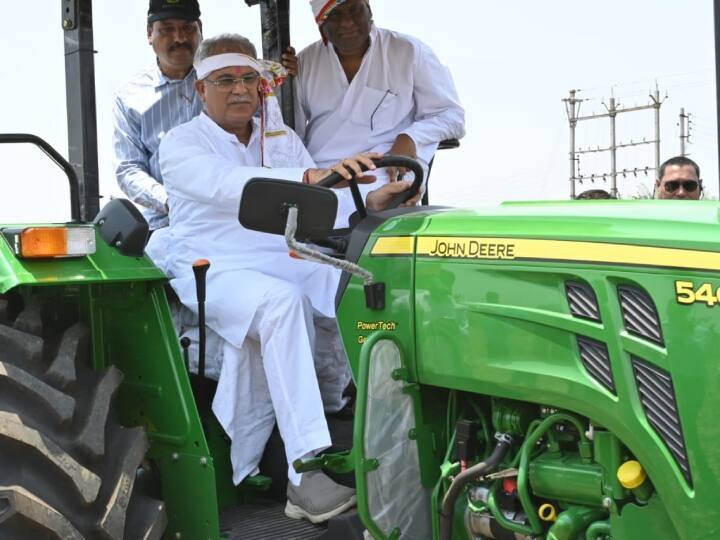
(79, 444)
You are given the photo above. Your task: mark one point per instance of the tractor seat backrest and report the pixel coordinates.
(447, 144)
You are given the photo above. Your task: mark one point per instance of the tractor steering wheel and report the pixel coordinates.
(385, 161)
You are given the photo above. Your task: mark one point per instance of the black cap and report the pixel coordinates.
(173, 9)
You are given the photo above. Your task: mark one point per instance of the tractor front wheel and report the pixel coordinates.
(67, 468)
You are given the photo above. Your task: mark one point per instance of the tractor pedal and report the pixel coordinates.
(257, 482)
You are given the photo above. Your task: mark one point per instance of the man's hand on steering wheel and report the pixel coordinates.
(403, 146)
(344, 168)
(380, 198)
(387, 197)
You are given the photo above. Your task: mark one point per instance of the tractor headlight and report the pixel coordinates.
(51, 242)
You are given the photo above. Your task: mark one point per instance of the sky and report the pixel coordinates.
(513, 62)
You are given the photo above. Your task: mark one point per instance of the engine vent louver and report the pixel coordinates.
(595, 358)
(582, 300)
(639, 314)
(657, 396)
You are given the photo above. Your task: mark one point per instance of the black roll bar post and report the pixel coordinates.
(275, 23)
(80, 98)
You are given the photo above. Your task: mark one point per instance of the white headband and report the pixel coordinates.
(212, 63)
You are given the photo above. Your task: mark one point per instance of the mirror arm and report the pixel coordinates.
(317, 256)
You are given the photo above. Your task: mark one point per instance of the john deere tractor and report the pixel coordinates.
(535, 370)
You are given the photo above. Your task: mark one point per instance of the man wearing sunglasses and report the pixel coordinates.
(154, 101)
(679, 178)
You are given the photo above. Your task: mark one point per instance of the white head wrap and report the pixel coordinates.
(271, 74)
(322, 8)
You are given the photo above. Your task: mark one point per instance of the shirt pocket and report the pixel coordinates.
(378, 110)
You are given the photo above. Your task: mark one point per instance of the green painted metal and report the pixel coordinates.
(354, 318)
(341, 462)
(572, 522)
(448, 469)
(490, 339)
(123, 302)
(648, 521)
(643, 492)
(566, 479)
(522, 478)
(132, 329)
(512, 416)
(106, 264)
(503, 329)
(599, 530)
(362, 463)
(608, 454)
(653, 223)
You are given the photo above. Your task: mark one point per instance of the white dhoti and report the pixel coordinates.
(255, 292)
(277, 375)
(286, 387)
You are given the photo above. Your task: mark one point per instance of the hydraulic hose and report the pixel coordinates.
(598, 530)
(533, 436)
(573, 521)
(467, 476)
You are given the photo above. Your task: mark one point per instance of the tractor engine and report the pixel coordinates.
(560, 474)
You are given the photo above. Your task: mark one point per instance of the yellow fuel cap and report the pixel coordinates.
(547, 512)
(631, 474)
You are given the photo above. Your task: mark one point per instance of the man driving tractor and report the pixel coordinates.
(254, 289)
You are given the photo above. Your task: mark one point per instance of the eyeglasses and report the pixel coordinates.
(671, 186)
(226, 84)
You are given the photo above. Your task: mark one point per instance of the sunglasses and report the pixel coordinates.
(688, 185)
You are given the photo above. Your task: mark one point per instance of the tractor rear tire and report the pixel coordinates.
(67, 468)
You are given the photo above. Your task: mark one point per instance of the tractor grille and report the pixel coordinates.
(657, 396)
(582, 300)
(595, 358)
(639, 314)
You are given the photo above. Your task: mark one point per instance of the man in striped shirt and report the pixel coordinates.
(155, 101)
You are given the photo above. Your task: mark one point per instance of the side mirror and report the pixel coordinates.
(264, 207)
(122, 226)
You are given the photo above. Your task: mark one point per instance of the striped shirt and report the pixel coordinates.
(145, 109)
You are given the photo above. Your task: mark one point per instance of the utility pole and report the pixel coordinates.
(572, 108)
(612, 113)
(655, 97)
(684, 131)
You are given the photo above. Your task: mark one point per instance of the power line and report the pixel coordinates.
(651, 80)
(572, 108)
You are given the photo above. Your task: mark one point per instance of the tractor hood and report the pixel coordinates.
(670, 234)
(658, 223)
(607, 309)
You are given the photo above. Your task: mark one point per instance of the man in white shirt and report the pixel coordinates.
(254, 289)
(363, 88)
(154, 101)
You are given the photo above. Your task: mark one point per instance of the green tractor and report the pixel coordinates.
(531, 371)
(536, 370)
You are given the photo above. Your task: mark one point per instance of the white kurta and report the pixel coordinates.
(401, 87)
(254, 289)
